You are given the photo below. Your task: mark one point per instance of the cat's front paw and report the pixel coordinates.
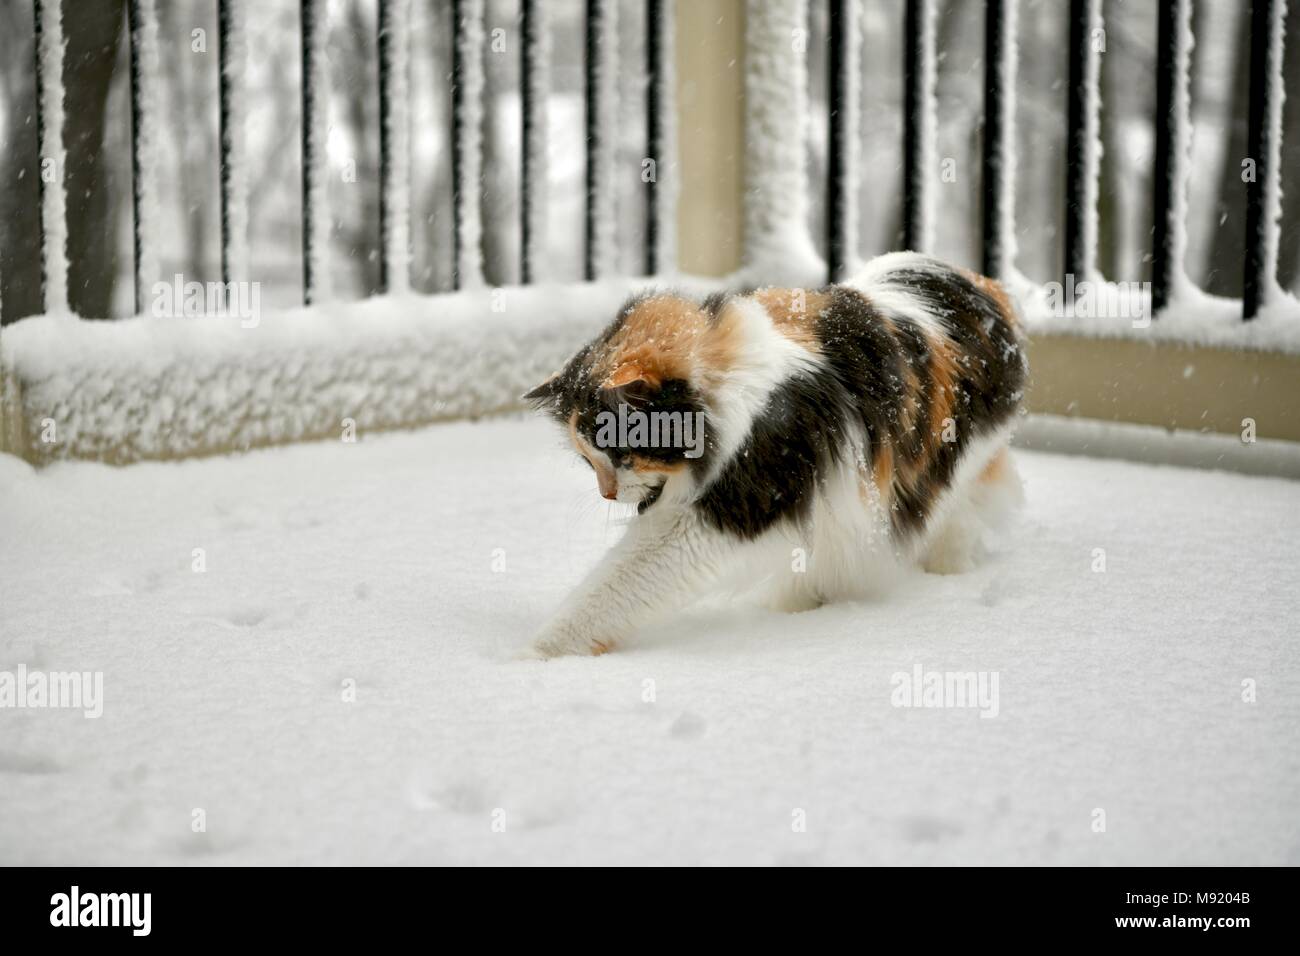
(559, 641)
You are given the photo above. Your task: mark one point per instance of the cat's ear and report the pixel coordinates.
(631, 381)
(545, 393)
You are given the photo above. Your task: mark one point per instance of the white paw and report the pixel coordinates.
(955, 550)
(791, 601)
(559, 641)
(946, 561)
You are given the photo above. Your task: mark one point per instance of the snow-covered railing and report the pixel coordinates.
(468, 25)
(1082, 148)
(532, 143)
(49, 133)
(844, 44)
(142, 18)
(998, 188)
(1173, 144)
(1264, 143)
(1083, 108)
(660, 227)
(232, 61)
(920, 125)
(1173, 148)
(315, 130)
(1173, 66)
(777, 95)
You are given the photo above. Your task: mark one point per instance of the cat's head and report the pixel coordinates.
(629, 401)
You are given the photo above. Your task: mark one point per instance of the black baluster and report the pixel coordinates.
(595, 14)
(136, 28)
(1260, 263)
(530, 99)
(310, 11)
(1077, 167)
(998, 204)
(838, 60)
(653, 128)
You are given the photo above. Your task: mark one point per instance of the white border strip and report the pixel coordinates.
(1151, 444)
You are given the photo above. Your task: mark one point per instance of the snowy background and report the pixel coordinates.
(335, 683)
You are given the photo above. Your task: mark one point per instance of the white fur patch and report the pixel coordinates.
(879, 281)
(763, 360)
(968, 508)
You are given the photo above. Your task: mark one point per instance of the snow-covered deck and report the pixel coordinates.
(374, 562)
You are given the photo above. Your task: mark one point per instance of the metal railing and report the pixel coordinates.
(467, 25)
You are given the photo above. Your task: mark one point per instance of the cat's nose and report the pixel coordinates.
(607, 482)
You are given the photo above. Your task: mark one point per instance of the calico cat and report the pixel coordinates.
(846, 431)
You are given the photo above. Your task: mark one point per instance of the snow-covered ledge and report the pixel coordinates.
(151, 388)
(158, 388)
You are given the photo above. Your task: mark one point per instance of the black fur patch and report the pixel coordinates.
(870, 362)
(775, 471)
(673, 396)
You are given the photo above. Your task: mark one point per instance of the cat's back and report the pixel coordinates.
(954, 335)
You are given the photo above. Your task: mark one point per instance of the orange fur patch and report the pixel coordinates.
(720, 345)
(943, 372)
(578, 443)
(631, 372)
(605, 476)
(881, 475)
(646, 466)
(794, 313)
(658, 340)
(882, 469)
(997, 467)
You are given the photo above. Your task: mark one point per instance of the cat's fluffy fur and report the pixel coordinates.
(849, 430)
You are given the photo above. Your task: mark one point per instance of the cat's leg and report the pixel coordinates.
(790, 593)
(998, 493)
(982, 503)
(662, 563)
(951, 547)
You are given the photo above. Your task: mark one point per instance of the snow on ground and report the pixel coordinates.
(373, 562)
